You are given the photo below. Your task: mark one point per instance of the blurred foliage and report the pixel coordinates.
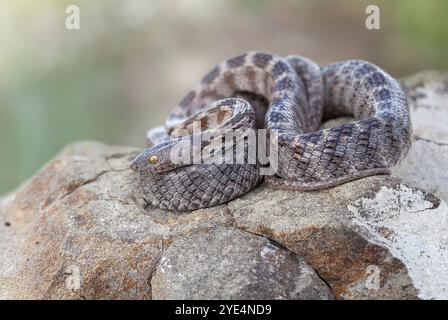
(50, 91)
(425, 25)
(132, 60)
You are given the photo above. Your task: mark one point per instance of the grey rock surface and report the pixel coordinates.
(80, 228)
(225, 263)
(377, 223)
(427, 162)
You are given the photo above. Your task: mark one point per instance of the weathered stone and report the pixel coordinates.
(428, 102)
(426, 165)
(344, 232)
(81, 220)
(225, 263)
(82, 215)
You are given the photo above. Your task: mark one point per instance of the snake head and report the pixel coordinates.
(155, 159)
(161, 157)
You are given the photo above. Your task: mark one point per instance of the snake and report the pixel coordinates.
(289, 97)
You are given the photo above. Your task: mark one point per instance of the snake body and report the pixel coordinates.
(291, 96)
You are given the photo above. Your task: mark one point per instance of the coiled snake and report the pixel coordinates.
(289, 96)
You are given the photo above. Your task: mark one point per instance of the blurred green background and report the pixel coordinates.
(132, 60)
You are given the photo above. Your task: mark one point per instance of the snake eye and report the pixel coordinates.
(153, 159)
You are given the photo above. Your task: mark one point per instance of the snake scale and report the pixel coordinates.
(290, 96)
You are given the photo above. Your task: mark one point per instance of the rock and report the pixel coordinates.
(89, 235)
(81, 229)
(225, 263)
(428, 102)
(425, 166)
(6, 198)
(377, 223)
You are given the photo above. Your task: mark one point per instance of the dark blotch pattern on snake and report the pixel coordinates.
(291, 96)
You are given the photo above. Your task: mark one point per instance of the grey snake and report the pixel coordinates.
(290, 97)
